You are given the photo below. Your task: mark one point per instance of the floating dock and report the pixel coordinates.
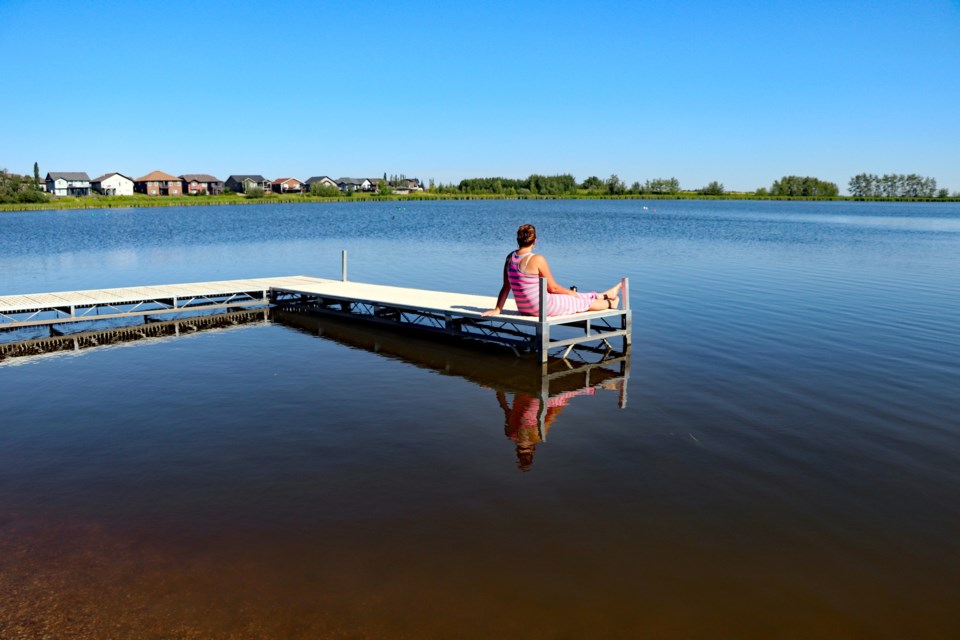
(38, 309)
(451, 314)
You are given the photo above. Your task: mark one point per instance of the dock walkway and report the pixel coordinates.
(451, 314)
(36, 309)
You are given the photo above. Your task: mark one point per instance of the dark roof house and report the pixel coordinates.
(240, 183)
(195, 183)
(68, 183)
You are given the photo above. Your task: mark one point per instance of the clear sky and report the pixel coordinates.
(739, 92)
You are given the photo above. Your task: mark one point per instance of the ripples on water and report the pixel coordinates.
(786, 463)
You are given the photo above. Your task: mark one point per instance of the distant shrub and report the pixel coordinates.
(255, 192)
(713, 189)
(324, 190)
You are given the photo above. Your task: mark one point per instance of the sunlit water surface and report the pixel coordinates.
(786, 464)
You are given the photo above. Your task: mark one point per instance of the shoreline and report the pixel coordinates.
(134, 202)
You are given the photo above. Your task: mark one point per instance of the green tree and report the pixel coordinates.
(255, 192)
(36, 176)
(15, 188)
(615, 186)
(593, 183)
(713, 189)
(803, 186)
(662, 185)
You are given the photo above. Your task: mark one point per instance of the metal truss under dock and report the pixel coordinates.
(451, 314)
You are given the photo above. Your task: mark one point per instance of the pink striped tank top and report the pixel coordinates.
(526, 292)
(525, 287)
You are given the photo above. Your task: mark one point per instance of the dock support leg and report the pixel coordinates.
(343, 265)
(627, 319)
(543, 329)
(625, 377)
(542, 409)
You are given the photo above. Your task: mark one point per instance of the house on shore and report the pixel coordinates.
(68, 183)
(158, 183)
(406, 187)
(197, 183)
(356, 184)
(242, 183)
(287, 185)
(324, 181)
(113, 184)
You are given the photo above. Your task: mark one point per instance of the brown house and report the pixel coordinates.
(196, 183)
(158, 183)
(287, 185)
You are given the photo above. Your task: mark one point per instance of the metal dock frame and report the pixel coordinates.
(521, 333)
(596, 328)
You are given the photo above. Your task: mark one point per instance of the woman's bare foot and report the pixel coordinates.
(613, 292)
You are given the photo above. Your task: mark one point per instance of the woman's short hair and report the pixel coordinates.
(526, 235)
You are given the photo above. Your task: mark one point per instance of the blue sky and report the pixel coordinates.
(740, 92)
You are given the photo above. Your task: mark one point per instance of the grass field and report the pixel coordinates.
(111, 202)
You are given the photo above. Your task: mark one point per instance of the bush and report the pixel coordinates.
(32, 195)
(324, 190)
(713, 189)
(255, 192)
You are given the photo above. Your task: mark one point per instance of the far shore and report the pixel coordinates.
(127, 202)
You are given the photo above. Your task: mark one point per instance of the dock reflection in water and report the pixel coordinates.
(532, 395)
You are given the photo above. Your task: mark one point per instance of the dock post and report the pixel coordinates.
(543, 329)
(625, 378)
(627, 321)
(343, 265)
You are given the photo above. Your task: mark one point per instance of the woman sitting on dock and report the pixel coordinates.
(522, 272)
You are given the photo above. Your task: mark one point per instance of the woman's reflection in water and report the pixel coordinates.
(522, 420)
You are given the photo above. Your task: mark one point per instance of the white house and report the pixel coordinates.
(113, 184)
(355, 184)
(68, 183)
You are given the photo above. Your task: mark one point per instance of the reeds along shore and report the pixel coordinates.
(123, 202)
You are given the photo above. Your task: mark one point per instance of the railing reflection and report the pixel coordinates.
(531, 394)
(146, 329)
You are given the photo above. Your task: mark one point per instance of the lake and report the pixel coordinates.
(785, 462)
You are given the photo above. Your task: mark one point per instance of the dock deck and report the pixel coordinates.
(37, 309)
(453, 314)
(458, 314)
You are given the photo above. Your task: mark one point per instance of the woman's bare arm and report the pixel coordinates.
(544, 270)
(504, 292)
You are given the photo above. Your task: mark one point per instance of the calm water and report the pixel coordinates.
(786, 465)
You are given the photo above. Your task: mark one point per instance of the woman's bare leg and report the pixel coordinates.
(601, 304)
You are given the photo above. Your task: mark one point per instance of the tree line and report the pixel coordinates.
(894, 185)
(863, 185)
(557, 185)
